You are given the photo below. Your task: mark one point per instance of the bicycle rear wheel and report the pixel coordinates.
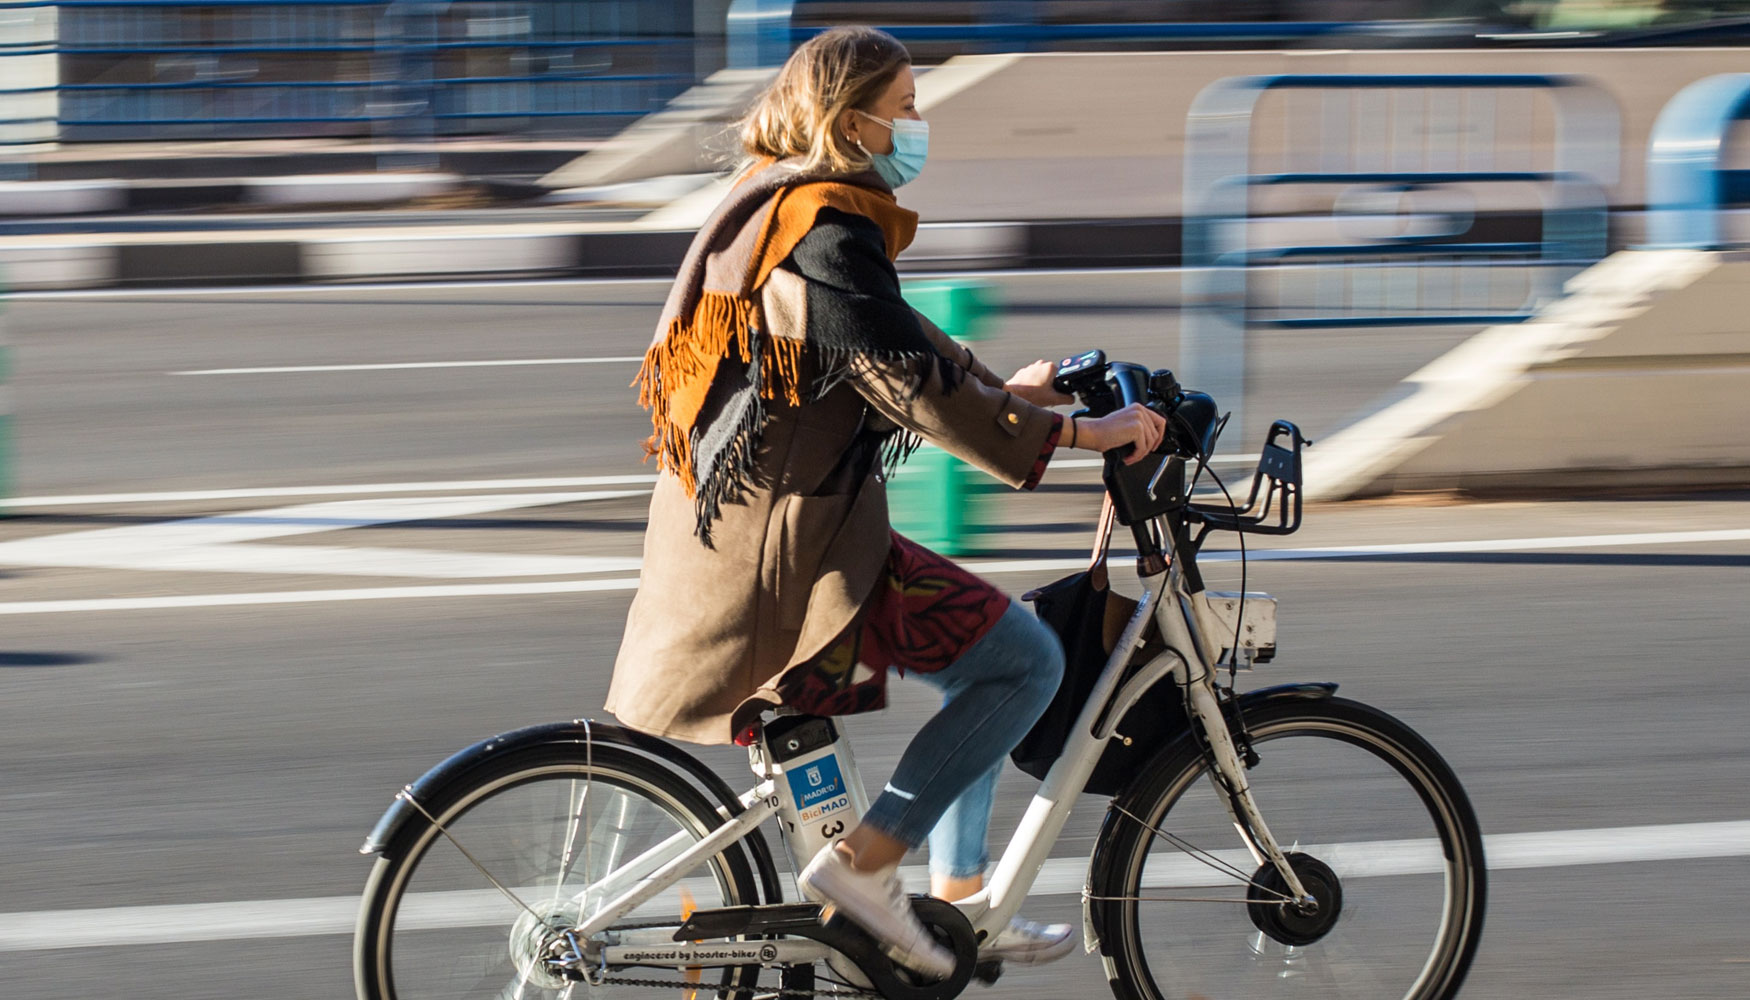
(1376, 824)
(438, 919)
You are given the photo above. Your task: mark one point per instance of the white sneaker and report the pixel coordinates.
(1024, 942)
(876, 902)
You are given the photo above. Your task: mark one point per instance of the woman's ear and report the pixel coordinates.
(847, 127)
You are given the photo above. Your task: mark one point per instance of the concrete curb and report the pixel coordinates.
(29, 199)
(561, 250)
(196, 161)
(58, 262)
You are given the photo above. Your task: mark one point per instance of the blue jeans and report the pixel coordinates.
(946, 778)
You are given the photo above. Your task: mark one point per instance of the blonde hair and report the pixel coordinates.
(832, 72)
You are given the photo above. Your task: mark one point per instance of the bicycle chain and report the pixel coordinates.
(842, 993)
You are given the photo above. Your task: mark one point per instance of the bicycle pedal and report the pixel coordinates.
(988, 971)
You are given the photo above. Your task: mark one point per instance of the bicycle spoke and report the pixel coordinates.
(407, 793)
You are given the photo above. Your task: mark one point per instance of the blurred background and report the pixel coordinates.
(318, 460)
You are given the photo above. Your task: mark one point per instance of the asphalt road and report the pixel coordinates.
(165, 745)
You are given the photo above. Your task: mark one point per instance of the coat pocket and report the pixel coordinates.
(809, 526)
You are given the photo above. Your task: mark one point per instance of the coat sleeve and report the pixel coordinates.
(959, 353)
(849, 280)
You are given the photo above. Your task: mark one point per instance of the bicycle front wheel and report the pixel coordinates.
(468, 898)
(1376, 825)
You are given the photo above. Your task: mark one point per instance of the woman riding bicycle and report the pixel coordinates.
(786, 376)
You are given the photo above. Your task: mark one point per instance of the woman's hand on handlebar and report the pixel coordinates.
(1135, 425)
(1033, 384)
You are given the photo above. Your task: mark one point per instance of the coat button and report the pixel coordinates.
(1013, 419)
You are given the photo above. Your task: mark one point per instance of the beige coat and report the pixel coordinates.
(711, 630)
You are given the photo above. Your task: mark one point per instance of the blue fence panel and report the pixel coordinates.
(1368, 147)
(392, 69)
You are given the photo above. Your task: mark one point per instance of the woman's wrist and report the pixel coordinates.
(1088, 434)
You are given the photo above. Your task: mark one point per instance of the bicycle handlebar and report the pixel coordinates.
(1104, 387)
(1150, 489)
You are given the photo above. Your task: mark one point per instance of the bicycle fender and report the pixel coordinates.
(576, 731)
(1302, 691)
(1093, 915)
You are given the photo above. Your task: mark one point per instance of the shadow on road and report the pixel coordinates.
(22, 659)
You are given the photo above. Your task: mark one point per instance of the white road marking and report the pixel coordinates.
(435, 486)
(46, 930)
(1405, 548)
(213, 544)
(423, 592)
(1491, 545)
(502, 363)
(360, 489)
(990, 567)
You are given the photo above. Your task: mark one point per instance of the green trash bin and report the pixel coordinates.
(933, 498)
(963, 309)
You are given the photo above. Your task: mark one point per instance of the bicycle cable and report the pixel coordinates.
(1225, 697)
(1203, 464)
(588, 838)
(1207, 858)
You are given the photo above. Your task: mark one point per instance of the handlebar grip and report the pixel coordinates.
(1130, 385)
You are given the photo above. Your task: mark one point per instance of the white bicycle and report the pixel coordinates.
(582, 859)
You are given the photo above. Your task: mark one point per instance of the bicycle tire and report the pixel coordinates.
(1357, 750)
(421, 862)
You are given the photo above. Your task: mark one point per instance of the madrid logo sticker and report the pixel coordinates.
(821, 781)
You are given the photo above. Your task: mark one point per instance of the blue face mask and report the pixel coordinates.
(911, 146)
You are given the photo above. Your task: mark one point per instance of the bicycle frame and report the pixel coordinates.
(1189, 658)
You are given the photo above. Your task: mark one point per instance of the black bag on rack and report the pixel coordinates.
(1088, 617)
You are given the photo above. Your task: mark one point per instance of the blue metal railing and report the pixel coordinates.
(1383, 141)
(1688, 177)
(392, 69)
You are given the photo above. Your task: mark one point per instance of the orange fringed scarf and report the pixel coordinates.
(713, 363)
